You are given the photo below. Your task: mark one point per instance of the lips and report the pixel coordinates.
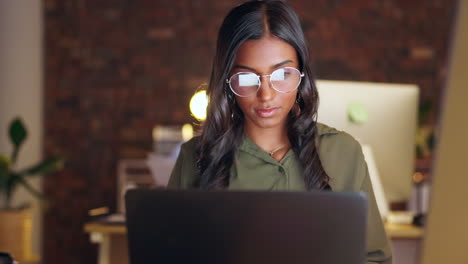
(266, 112)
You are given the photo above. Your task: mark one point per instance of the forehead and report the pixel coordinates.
(263, 53)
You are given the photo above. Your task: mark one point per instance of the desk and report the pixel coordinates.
(112, 240)
(403, 231)
(406, 242)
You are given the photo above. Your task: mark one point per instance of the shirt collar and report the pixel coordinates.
(250, 147)
(323, 130)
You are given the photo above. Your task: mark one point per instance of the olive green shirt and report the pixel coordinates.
(254, 169)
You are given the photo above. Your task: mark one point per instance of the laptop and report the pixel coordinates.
(245, 227)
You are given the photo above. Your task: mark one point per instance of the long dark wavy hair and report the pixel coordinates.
(224, 127)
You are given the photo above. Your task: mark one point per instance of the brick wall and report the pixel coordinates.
(114, 69)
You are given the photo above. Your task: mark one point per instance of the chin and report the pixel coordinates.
(269, 122)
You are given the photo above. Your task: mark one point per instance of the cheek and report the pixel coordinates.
(290, 100)
(243, 103)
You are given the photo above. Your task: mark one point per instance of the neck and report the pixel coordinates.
(268, 139)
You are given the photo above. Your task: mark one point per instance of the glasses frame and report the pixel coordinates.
(228, 81)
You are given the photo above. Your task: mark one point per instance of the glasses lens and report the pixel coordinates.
(244, 84)
(285, 79)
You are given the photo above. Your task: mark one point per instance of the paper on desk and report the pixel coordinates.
(113, 219)
(161, 167)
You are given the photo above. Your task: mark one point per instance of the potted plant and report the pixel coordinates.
(15, 222)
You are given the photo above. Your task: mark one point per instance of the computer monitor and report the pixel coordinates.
(382, 116)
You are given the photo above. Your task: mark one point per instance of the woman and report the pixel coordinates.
(261, 131)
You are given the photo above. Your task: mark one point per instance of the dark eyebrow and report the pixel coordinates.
(281, 64)
(244, 67)
(272, 67)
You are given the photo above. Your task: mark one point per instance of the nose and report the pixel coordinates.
(266, 92)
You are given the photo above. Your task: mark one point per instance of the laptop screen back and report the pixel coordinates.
(173, 226)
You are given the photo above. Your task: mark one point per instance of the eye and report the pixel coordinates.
(285, 79)
(244, 84)
(283, 74)
(248, 79)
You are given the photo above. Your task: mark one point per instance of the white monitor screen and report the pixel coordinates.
(383, 116)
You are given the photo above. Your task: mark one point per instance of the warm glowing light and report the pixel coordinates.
(187, 132)
(198, 105)
(418, 177)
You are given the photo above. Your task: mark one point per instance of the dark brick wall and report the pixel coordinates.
(114, 69)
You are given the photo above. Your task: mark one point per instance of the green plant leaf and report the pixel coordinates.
(419, 152)
(424, 111)
(3, 179)
(431, 141)
(31, 189)
(4, 161)
(10, 183)
(18, 134)
(4, 167)
(4, 170)
(47, 166)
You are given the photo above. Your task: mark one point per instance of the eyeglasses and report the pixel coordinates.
(283, 80)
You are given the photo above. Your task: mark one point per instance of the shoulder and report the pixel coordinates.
(188, 152)
(341, 157)
(329, 137)
(191, 145)
(184, 173)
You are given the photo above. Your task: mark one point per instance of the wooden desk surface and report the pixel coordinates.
(104, 228)
(394, 231)
(404, 231)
